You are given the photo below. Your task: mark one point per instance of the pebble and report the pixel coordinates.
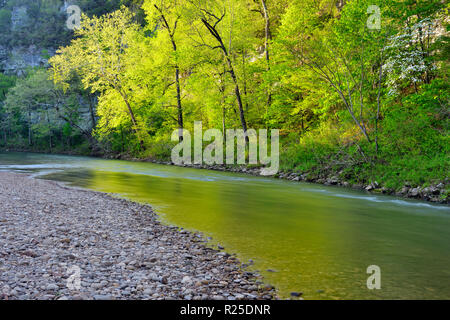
(61, 243)
(52, 287)
(102, 297)
(186, 279)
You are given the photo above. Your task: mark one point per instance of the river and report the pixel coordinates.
(301, 237)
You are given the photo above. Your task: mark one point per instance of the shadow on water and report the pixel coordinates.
(319, 240)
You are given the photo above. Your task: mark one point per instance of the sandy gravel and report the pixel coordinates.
(62, 243)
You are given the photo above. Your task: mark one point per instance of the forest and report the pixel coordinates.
(358, 89)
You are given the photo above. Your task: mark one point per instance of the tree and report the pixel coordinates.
(211, 14)
(267, 37)
(342, 53)
(45, 109)
(165, 17)
(6, 83)
(99, 55)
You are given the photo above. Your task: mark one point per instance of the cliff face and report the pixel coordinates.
(16, 60)
(17, 56)
(31, 32)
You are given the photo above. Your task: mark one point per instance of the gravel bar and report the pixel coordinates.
(61, 243)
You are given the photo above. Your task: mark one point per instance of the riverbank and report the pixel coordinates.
(436, 193)
(49, 231)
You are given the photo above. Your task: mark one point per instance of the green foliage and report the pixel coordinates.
(6, 82)
(414, 140)
(39, 115)
(352, 101)
(5, 19)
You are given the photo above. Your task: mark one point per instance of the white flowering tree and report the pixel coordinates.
(409, 56)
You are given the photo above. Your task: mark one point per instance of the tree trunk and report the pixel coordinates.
(177, 72)
(238, 96)
(245, 80)
(86, 133)
(224, 114)
(133, 118)
(179, 106)
(380, 76)
(268, 36)
(122, 139)
(50, 135)
(29, 129)
(237, 91)
(91, 110)
(222, 89)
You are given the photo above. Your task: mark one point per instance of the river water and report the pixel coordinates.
(301, 237)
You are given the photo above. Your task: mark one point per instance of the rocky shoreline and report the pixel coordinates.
(60, 243)
(435, 193)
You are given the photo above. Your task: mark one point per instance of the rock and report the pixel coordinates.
(158, 261)
(186, 279)
(148, 292)
(97, 286)
(30, 253)
(435, 191)
(414, 192)
(70, 256)
(333, 180)
(52, 287)
(268, 287)
(296, 294)
(102, 297)
(404, 190)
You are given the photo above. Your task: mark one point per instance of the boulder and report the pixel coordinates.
(414, 192)
(404, 190)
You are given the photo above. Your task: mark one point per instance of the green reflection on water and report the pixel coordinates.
(319, 240)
